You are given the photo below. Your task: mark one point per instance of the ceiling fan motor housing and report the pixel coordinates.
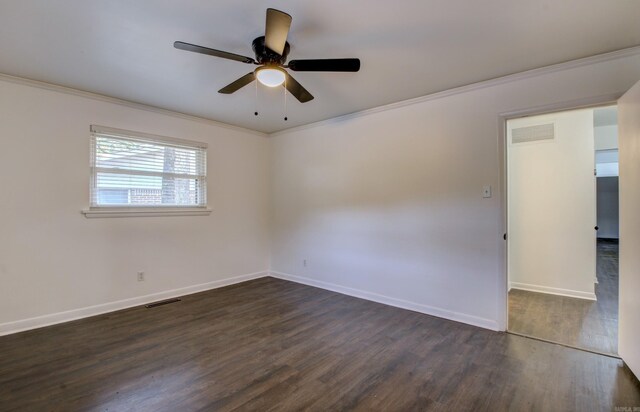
(265, 55)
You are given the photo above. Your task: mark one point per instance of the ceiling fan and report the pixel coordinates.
(271, 52)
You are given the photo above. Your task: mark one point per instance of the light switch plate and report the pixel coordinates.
(486, 192)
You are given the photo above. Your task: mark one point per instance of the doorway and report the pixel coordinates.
(562, 220)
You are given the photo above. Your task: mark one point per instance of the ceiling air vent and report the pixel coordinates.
(533, 133)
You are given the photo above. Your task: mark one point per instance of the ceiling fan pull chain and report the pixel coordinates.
(285, 99)
(256, 101)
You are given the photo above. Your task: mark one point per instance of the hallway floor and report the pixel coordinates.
(576, 322)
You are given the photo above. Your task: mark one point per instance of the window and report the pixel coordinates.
(140, 173)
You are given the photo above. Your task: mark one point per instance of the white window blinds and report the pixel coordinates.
(130, 169)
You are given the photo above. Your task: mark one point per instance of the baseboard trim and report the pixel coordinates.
(552, 291)
(387, 300)
(75, 314)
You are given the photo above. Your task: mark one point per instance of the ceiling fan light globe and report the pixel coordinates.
(270, 76)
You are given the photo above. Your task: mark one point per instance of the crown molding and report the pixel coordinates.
(571, 64)
(121, 102)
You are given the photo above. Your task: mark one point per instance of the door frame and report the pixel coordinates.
(589, 102)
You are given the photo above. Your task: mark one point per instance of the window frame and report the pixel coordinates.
(141, 210)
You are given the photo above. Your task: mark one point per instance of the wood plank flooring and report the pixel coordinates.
(576, 322)
(270, 344)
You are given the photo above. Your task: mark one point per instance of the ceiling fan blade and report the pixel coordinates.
(297, 90)
(212, 52)
(277, 30)
(238, 84)
(325, 65)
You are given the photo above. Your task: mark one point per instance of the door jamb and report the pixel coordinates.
(595, 101)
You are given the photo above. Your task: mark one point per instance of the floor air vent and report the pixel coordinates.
(533, 133)
(162, 302)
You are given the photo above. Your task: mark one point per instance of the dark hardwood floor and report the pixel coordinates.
(270, 344)
(576, 322)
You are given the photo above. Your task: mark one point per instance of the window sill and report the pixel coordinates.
(143, 212)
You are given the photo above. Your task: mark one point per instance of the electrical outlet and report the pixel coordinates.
(140, 276)
(304, 263)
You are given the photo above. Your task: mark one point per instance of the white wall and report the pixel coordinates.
(606, 137)
(608, 214)
(388, 205)
(552, 206)
(53, 259)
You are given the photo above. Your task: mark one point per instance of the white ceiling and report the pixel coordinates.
(408, 48)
